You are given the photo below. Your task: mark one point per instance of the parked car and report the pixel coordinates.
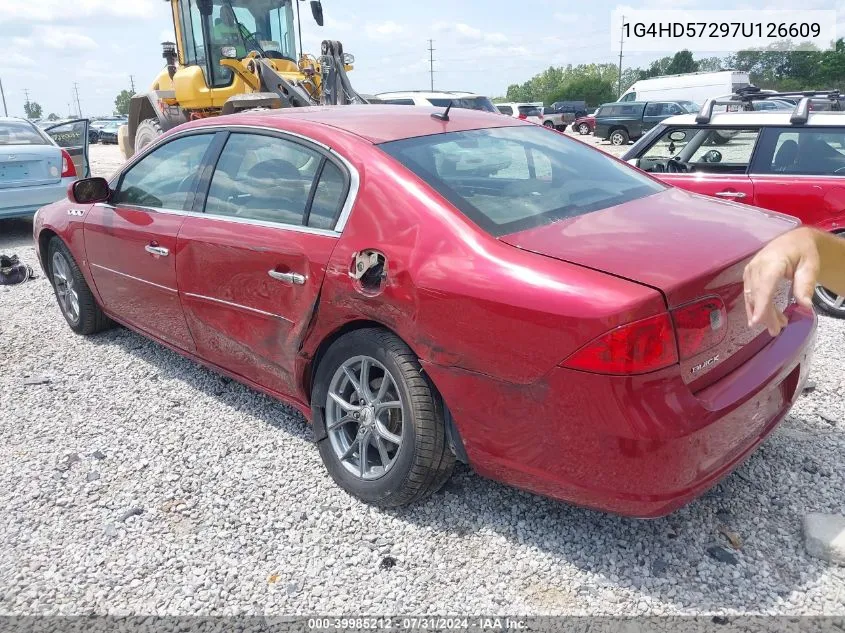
(620, 123)
(466, 100)
(696, 87)
(586, 124)
(758, 158)
(562, 113)
(34, 169)
(108, 133)
(417, 314)
(532, 112)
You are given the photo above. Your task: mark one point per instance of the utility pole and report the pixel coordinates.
(3, 95)
(431, 61)
(78, 106)
(621, 42)
(132, 81)
(26, 97)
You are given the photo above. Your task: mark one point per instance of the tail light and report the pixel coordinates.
(68, 168)
(635, 348)
(523, 116)
(700, 326)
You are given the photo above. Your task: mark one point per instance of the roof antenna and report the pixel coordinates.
(444, 116)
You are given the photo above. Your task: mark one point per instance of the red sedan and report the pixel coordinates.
(425, 290)
(585, 125)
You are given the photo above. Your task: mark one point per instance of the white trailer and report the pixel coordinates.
(696, 87)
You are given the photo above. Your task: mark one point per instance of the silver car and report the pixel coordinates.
(37, 166)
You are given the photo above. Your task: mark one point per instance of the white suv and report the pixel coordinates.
(466, 100)
(526, 111)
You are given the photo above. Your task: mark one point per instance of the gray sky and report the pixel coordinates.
(481, 45)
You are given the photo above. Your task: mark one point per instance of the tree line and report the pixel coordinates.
(772, 68)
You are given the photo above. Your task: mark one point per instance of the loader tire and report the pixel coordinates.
(148, 131)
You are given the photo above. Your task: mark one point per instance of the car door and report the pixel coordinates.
(73, 137)
(801, 172)
(251, 261)
(718, 158)
(131, 242)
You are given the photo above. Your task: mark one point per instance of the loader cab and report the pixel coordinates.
(211, 30)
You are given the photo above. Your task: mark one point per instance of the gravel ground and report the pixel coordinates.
(134, 481)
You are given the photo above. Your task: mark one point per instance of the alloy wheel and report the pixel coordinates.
(65, 290)
(584, 129)
(834, 301)
(365, 417)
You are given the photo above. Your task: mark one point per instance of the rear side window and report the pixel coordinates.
(805, 151)
(398, 101)
(505, 110)
(20, 133)
(466, 103)
(328, 198)
(165, 178)
(514, 178)
(263, 178)
(530, 110)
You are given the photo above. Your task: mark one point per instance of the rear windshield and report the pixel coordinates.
(467, 103)
(515, 178)
(530, 110)
(20, 133)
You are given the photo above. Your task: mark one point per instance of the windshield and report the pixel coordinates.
(20, 133)
(515, 178)
(689, 106)
(467, 103)
(265, 26)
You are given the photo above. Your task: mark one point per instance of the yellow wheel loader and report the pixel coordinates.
(234, 55)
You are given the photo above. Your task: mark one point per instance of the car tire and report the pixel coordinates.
(824, 299)
(549, 124)
(390, 474)
(76, 301)
(619, 137)
(583, 129)
(148, 131)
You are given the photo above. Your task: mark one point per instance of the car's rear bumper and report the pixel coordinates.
(639, 446)
(20, 202)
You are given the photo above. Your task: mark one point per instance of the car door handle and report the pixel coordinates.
(735, 195)
(152, 249)
(290, 278)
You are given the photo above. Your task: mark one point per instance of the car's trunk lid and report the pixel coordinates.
(686, 246)
(28, 166)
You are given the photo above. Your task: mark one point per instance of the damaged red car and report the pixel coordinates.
(428, 288)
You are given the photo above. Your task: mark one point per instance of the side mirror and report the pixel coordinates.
(317, 11)
(633, 161)
(89, 191)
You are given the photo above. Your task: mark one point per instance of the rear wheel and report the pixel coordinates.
(385, 432)
(76, 301)
(148, 131)
(827, 301)
(549, 124)
(619, 137)
(583, 129)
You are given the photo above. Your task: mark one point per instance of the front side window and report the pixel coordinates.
(806, 151)
(505, 110)
(165, 178)
(514, 178)
(695, 149)
(466, 103)
(263, 178)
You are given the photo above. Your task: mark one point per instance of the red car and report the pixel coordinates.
(585, 125)
(424, 290)
(758, 158)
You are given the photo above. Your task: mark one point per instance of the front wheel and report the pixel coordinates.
(75, 298)
(385, 432)
(148, 131)
(583, 129)
(549, 124)
(827, 301)
(619, 137)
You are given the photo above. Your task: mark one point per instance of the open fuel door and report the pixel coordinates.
(73, 137)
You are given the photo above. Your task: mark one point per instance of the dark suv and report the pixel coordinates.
(622, 122)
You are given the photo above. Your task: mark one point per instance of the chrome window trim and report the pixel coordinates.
(239, 306)
(342, 219)
(143, 281)
(296, 228)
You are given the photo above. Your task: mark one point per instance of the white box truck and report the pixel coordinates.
(695, 87)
